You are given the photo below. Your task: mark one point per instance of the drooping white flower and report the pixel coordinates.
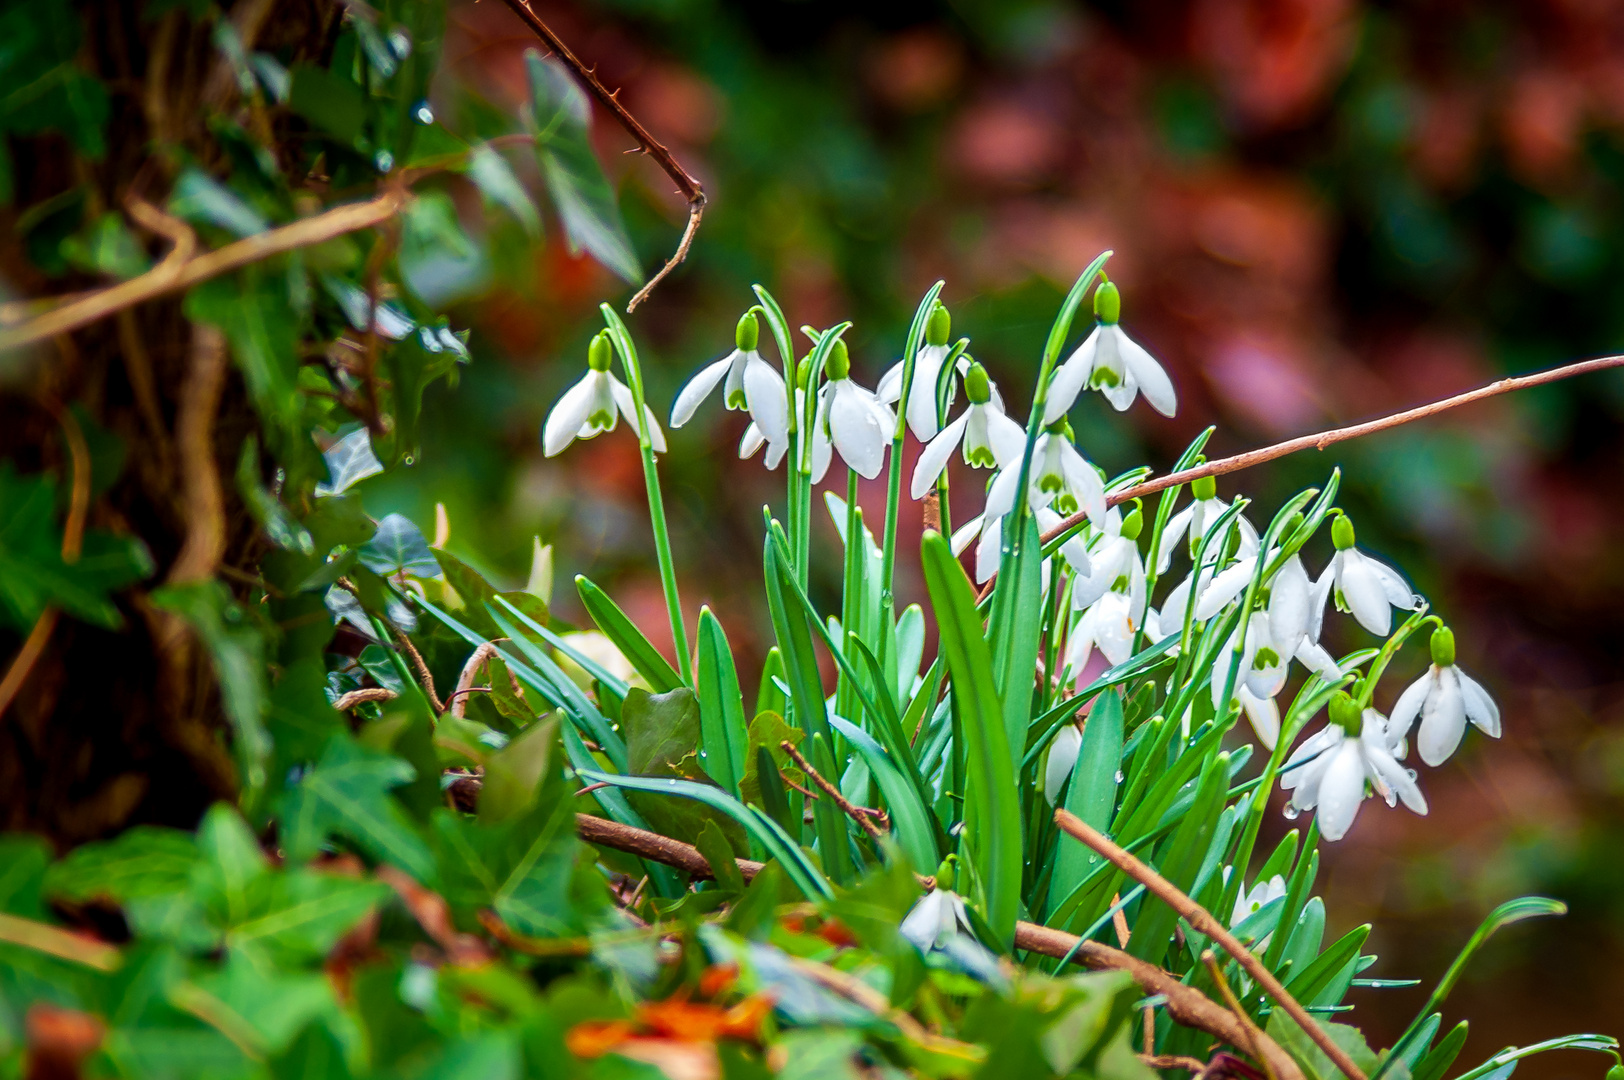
(927, 374)
(939, 915)
(1111, 362)
(751, 384)
(1445, 698)
(1332, 767)
(1116, 564)
(1062, 759)
(858, 425)
(590, 407)
(1261, 895)
(989, 438)
(1366, 587)
(1194, 520)
(1109, 624)
(753, 440)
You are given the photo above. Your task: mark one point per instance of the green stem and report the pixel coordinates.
(651, 481)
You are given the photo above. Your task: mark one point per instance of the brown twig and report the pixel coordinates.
(1194, 1066)
(1185, 1004)
(1234, 1004)
(470, 671)
(60, 943)
(833, 792)
(423, 675)
(202, 498)
(180, 270)
(350, 700)
(691, 189)
(1203, 922)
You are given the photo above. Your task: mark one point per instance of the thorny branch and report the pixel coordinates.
(1185, 1004)
(1203, 922)
(833, 792)
(691, 188)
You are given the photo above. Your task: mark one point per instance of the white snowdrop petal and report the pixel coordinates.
(1001, 493)
(567, 417)
(1480, 707)
(1264, 715)
(1316, 659)
(890, 387)
(1069, 379)
(1005, 436)
(775, 454)
(922, 397)
(1395, 776)
(933, 459)
(1341, 790)
(751, 441)
(1408, 705)
(1394, 587)
(1062, 758)
(698, 389)
(1176, 527)
(1229, 584)
(628, 408)
(1083, 481)
(767, 400)
(989, 550)
(1443, 719)
(1320, 597)
(1290, 597)
(1366, 597)
(1152, 379)
(964, 534)
(856, 431)
(923, 924)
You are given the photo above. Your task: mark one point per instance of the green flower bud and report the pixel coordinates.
(1062, 427)
(1293, 523)
(748, 333)
(803, 371)
(945, 873)
(1346, 714)
(1133, 523)
(1107, 303)
(1616, 1073)
(977, 387)
(938, 326)
(1443, 646)
(838, 366)
(1342, 533)
(600, 353)
(1205, 487)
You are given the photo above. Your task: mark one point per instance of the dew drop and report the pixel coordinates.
(424, 114)
(384, 161)
(400, 43)
(673, 783)
(1120, 777)
(1291, 811)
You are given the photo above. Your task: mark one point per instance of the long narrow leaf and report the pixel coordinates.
(915, 832)
(1092, 792)
(723, 734)
(644, 658)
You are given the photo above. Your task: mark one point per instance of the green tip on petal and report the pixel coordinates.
(976, 384)
(600, 353)
(939, 326)
(748, 333)
(1443, 647)
(1204, 487)
(1346, 714)
(1342, 533)
(945, 873)
(838, 366)
(1107, 303)
(1133, 524)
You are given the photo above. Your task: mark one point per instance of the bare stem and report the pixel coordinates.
(1203, 922)
(833, 792)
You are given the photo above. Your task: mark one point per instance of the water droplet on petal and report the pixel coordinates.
(1291, 811)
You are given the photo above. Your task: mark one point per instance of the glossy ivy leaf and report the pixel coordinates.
(349, 461)
(106, 246)
(1315, 1065)
(33, 574)
(389, 321)
(328, 100)
(439, 262)
(203, 200)
(346, 794)
(561, 119)
(413, 365)
(141, 862)
(495, 178)
(399, 547)
(660, 729)
(252, 309)
(514, 775)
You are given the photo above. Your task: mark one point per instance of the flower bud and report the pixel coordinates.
(1062, 427)
(1293, 523)
(1346, 714)
(1133, 523)
(838, 366)
(1616, 1072)
(1443, 647)
(1107, 303)
(977, 387)
(803, 371)
(1204, 487)
(600, 353)
(938, 326)
(1342, 533)
(945, 873)
(748, 333)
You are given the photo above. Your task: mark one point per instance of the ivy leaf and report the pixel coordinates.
(263, 328)
(660, 729)
(349, 461)
(331, 102)
(1296, 1042)
(106, 246)
(767, 731)
(347, 794)
(140, 862)
(238, 651)
(496, 180)
(399, 547)
(198, 197)
(439, 263)
(562, 122)
(276, 1005)
(33, 574)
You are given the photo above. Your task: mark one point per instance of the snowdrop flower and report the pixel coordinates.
(858, 425)
(1250, 903)
(1107, 624)
(938, 916)
(751, 384)
(1368, 588)
(588, 409)
(1331, 768)
(1195, 520)
(1062, 760)
(1111, 362)
(988, 437)
(1445, 698)
(753, 440)
(927, 373)
(1116, 565)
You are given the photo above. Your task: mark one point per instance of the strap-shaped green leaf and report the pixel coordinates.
(1092, 792)
(644, 658)
(992, 811)
(915, 832)
(723, 734)
(1153, 930)
(1308, 981)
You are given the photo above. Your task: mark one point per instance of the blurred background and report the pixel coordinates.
(1322, 210)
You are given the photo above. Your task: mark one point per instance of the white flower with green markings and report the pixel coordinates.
(989, 439)
(1111, 362)
(1331, 769)
(927, 375)
(749, 383)
(1367, 588)
(590, 407)
(855, 421)
(1445, 698)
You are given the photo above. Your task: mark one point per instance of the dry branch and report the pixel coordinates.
(1203, 922)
